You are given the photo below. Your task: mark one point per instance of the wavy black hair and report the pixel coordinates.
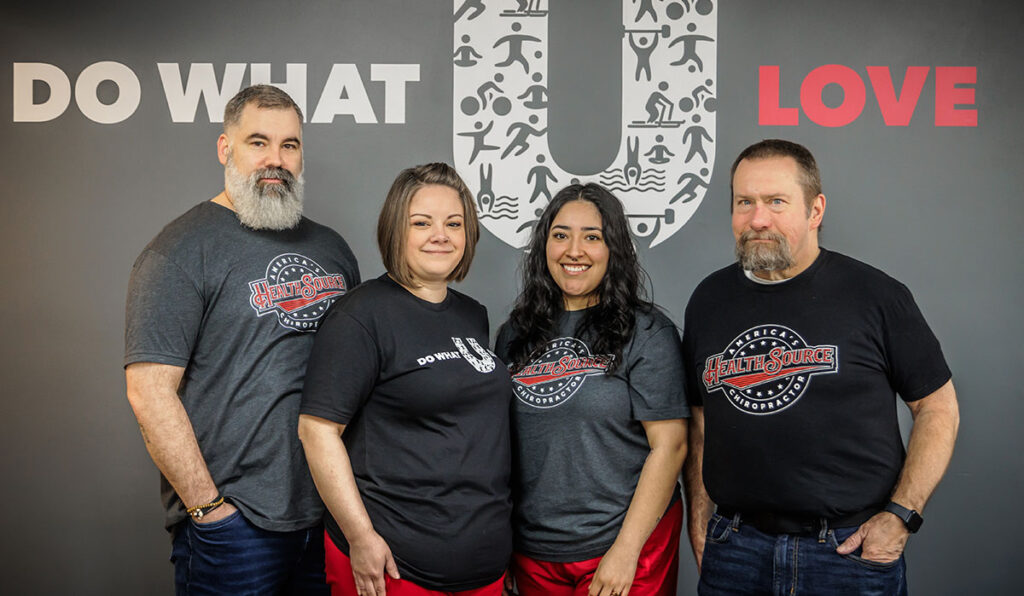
(622, 291)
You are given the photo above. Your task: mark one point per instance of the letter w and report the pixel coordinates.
(183, 101)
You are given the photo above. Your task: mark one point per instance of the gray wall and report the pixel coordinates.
(933, 206)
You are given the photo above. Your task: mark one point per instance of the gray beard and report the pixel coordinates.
(265, 206)
(764, 257)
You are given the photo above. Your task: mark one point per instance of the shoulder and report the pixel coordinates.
(182, 242)
(653, 323)
(725, 275)
(715, 285)
(652, 320)
(190, 227)
(368, 298)
(860, 276)
(462, 301)
(324, 231)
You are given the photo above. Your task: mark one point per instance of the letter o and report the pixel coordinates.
(854, 95)
(128, 97)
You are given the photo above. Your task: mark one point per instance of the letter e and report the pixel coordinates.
(948, 95)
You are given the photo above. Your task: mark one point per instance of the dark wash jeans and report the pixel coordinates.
(739, 559)
(232, 556)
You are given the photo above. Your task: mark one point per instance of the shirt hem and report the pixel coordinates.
(156, 358)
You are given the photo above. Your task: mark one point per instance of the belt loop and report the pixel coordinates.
(735, 525)
(823, 529)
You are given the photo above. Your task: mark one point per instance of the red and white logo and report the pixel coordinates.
(767, 368)
(298, 290)
(558, 373)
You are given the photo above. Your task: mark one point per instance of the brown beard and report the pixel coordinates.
(775, 256)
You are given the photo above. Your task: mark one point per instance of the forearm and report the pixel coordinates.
(929, 448)
(658, 479)
(168, 434)
(332, 473)
(698, 504)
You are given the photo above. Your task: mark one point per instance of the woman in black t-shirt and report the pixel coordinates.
(405, 416)
(598, 427)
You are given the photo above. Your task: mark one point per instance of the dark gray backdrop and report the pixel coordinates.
(933, 206)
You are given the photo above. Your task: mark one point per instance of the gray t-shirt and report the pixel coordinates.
(236, 308)
(578, 440)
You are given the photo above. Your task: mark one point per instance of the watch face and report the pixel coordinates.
(914, 522)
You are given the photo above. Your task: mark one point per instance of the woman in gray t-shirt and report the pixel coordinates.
(599, 434)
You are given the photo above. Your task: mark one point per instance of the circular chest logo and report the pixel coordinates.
(297, 289)
(557, 373)
(767, 368)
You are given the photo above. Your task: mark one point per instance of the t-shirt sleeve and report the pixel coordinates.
(656, 378)
(163, 314)
(353, 264)
(343, 368)
(694, 396)
(502, 340)
(914, 357)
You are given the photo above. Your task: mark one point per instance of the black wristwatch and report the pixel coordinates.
(911, 518)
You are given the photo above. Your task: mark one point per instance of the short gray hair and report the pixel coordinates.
(263, 96)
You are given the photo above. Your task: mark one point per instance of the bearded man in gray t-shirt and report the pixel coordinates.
(222, 306)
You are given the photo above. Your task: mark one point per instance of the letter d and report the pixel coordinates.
(25, 75)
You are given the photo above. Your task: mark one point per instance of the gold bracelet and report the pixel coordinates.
(199, 511)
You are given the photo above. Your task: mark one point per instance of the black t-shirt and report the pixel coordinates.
(426, 406)
(798, 382)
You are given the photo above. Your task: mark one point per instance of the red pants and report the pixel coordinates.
(339, 577)
(657, 569)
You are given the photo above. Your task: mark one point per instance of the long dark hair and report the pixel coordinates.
(534, 318)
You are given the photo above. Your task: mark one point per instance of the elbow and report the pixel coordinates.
(673, 451)
(314, 431)
(305, 430)
(955, 419)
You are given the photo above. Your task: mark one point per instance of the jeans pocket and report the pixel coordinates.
(879, 565)
(834, 540)
(719, 529)
(220, 524)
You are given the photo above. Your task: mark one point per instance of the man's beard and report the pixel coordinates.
(265, 206)
(762, 256)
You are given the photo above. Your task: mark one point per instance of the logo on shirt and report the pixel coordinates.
(480, 358)
(297, 289)
(557, 374)
(767, 368)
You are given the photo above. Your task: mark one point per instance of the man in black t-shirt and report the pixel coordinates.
(221, 310)
(794, 358)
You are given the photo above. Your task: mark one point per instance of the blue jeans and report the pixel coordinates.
(232, 556)
(739, 559)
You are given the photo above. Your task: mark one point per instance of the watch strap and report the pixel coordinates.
(911, 519)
